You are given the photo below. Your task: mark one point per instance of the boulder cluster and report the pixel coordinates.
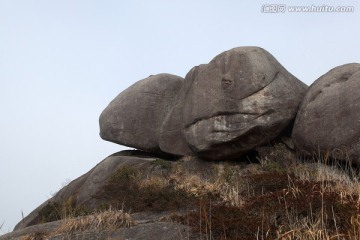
(240, 100)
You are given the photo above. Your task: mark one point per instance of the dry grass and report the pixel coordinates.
(105, 220)
(273, 201)
(315, 229)
(34, 236)
(280, 197)
(270, 200)
(341, 183)
(1, 226)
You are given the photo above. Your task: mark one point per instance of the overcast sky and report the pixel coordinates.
(62, 62)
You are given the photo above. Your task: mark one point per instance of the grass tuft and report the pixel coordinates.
(99, 221)
(35, 236)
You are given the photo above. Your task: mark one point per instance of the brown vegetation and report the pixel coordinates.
(279, 197)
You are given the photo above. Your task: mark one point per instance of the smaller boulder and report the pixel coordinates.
(328, 121)
(135, 116)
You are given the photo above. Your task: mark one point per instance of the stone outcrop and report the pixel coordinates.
(150, 229)
(82, 190)
(328, 120)
(242, 99)
(156, 195)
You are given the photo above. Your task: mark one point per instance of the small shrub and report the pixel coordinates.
(54, 211)
(229, 174)
(162, 164)
(50, 212)
(72, 209)
(125, 173)
(126, 189)
(35, 236)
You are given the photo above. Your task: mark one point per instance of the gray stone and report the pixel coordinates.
(135, 116)
(171, 137)
(84, 188)
(242, 99)
(328, 120)
(149, 230)
(41, 229)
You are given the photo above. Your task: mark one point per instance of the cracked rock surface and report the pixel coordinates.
(240, 100)
(329, 116)
(135, 116)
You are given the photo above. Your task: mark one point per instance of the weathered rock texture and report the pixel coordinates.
(328, 120)
(121, 181)
(141, 231)
(82, 191)
(239, 101)
(242, 99)
(135, 116)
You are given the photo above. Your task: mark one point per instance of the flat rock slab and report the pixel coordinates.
(21, 233)
(153, 230)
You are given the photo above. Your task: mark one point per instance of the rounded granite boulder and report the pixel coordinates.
(328, 121)
(240, 100)
(135, 116)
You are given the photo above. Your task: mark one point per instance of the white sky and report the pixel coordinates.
(62, 62)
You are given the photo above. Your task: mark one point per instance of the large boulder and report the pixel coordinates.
(242, 99)
(135, 116)
(81, 192)
(328, 121)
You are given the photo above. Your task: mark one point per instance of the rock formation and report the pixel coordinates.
(237, 103)
(82, 191)
(135, 116)
(242, 99)
(120, 181)
(328, 120)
